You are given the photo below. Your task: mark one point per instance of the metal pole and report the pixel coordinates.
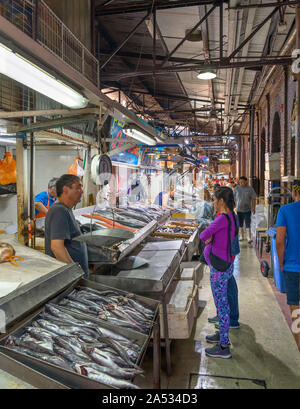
(154, 38)
(251, 140)
(125, 40)
(36, 20)
(221, 30)
(156, 354)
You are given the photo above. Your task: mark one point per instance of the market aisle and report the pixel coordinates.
(263, 348)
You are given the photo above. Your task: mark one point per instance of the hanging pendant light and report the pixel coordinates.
(207, 75)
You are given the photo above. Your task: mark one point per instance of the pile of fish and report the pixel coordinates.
(112, 307)
(177, 229)
(80, 346)
(144, 214)
(129, 218)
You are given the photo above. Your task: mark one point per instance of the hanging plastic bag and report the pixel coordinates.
(8, 170)
(76, 169)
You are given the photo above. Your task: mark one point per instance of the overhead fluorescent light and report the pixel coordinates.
(8, 141)
(135, 132)
(19, 69)
(139, 136)
(207, 75)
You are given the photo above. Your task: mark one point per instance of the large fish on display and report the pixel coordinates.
(79, 345)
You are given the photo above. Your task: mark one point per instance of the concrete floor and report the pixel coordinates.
(264, 353)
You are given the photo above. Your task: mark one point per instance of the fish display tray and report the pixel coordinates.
(150, 278)
(46, 375)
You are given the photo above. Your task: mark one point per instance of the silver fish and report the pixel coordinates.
(39, 333)
(55, 360)
(31, 343)
(70, 345)
(104, 378)
(49, 326)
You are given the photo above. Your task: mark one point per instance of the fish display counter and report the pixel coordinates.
(27, 265)
(180, 229)
(148, 271)
(66, 332)
(111, 234)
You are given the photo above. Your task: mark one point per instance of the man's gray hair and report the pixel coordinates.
(52, 183)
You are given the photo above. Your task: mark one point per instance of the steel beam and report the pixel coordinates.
(129, 35)
(55, 123)
(221, 29)
(174, 97)
(47, 112)
(217, 65)
(250, 36)
(264, 5)
(205, 39)
(147, 5)
(204, 18)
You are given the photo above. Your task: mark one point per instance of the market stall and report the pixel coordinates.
(48, 337)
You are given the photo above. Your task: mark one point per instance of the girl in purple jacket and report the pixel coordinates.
(223, 203)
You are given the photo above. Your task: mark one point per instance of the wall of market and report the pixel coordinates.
(49, 163)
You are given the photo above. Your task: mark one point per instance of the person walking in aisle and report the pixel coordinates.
(288, 251)
(245, 199)
(217, 242)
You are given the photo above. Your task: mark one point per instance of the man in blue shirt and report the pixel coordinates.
(45, 199)
(288, 250)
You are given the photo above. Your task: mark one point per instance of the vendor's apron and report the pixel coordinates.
(41, 214)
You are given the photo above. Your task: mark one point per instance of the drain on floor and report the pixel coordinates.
(206, 381)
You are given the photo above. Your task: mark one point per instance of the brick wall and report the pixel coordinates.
(280, 108)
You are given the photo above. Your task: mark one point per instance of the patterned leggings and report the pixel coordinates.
(218, 282)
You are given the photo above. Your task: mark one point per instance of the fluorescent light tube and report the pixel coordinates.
(19, 69)
(8, 141)
(139, 136)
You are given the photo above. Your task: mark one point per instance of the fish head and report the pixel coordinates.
(80, 369)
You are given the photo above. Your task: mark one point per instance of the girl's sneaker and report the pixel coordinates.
(218, 352)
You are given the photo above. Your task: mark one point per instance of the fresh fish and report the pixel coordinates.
(70, 356)
(39, 333)
(104, 378)
(76, 306)
(100, 357)
(60, 314)
(70, 345)
(89, 303)
(133, 215)
(108, 333)
(93, 297)
(31, 343)
(55, 360)
(51, 327)
(119, 349)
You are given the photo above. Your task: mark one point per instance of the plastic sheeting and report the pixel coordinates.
(259, 219)
(204, 210)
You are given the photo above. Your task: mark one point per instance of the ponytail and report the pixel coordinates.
(225, 193)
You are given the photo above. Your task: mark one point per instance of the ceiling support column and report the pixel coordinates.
(251, 146)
